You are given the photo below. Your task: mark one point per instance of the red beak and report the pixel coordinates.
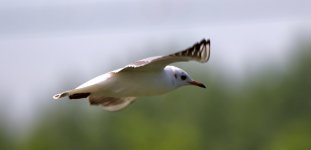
(196, 83)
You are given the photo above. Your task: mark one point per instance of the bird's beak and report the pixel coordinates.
(196, 83)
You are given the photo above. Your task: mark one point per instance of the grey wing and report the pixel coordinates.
(198, 52)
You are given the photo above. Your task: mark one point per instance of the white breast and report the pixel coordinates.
(130, 83)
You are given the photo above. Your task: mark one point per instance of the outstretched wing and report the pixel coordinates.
(198, 52)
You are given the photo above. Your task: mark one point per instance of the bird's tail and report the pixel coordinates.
(60, 95)
(73, 94)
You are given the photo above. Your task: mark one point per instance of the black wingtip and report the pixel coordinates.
(208, 43)
(79, 95)
(205, 41)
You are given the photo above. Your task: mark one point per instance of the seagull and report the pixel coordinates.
(151, 76)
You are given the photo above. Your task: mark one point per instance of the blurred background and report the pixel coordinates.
(258, 77)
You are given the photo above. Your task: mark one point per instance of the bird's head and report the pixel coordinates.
(182, 78)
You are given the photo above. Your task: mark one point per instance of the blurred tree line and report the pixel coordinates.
(270, 111)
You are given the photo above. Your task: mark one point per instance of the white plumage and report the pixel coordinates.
(151, 76)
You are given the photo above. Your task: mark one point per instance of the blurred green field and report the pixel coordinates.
(268, 111)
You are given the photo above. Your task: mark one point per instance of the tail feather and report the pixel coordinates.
(60, 95)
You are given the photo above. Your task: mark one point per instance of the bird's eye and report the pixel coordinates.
(183, 77)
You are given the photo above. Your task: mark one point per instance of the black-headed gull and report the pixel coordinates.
(150, 76)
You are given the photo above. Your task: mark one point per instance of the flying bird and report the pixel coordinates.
(151, 76)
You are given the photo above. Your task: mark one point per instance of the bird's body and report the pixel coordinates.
(147, 77)
(114, 84)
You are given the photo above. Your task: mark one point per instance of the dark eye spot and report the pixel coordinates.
(183, 77)
(175, 75)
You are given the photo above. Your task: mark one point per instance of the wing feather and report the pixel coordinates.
(199, 52)
(111, 103)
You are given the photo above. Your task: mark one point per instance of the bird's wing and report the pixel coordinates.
(198, 52)
(111, 103)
